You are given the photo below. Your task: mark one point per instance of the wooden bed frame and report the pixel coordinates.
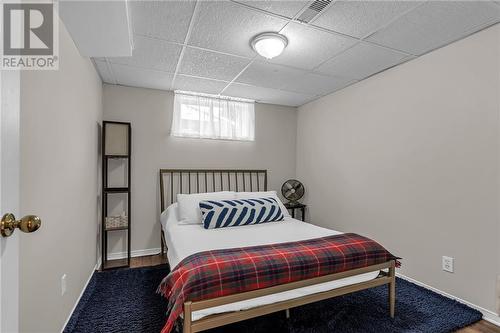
(211, 180)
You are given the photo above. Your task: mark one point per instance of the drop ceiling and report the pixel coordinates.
(204, 46)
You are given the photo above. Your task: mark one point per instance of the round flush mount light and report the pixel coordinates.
(269, 44)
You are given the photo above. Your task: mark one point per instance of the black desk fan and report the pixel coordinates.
(292, 190)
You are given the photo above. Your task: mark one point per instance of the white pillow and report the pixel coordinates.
(169, 215)
(189, 205)
(256, 195)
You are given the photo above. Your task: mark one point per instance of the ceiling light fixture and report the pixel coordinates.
(269, 44)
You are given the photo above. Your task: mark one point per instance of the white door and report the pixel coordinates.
(9, 198)
(10, 87)
(10, 222)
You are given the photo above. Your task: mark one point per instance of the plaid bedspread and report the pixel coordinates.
(212, 274)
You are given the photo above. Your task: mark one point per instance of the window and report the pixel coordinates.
(210, 117)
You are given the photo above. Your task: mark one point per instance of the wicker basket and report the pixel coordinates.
(116, 222)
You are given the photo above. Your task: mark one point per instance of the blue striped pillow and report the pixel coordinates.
(236, 212)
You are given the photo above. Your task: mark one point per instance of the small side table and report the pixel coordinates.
(293, 206)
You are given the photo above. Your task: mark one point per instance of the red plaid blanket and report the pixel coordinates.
(217, 273)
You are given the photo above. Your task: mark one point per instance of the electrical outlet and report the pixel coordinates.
(63, 284)
(447, 264)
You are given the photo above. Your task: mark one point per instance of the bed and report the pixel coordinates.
(185, 240)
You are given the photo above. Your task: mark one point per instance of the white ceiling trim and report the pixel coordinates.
(129, 23)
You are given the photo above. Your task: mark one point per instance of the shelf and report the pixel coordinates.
(116, 190)
(117, 228)
(294, 205)
(116, 153)
(116, 156)
(114, 264)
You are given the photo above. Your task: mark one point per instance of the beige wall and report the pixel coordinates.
(150, 112)
(410, 158)
(60, 112)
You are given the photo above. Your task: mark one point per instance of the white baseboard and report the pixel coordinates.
(136, 253)
(488, 315)
(79, 297)
(123, 255)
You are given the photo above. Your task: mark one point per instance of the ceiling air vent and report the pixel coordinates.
(313, 10)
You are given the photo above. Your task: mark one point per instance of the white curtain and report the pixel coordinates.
(213, 118)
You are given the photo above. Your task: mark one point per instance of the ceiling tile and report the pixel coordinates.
(435, 24)
(361, 61)
(309, 47)
(162, 19)
(97, 28)
(269, 75)
(267, 95)
(144, 78)
(359, 18)
(211, 64)
(152, 54)
(228, 27)
(206, 86)
(284, 8)
(103, 69)
(316, 84)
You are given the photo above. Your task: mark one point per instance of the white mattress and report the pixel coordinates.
(184, 240)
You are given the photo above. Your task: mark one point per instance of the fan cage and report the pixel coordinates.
(292, 196)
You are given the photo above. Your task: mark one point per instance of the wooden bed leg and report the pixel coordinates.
(287, 313)
(187, 317)
(392, 289)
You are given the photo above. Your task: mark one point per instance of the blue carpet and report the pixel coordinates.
(125, 301)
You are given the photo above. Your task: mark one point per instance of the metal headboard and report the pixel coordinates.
(175, 181)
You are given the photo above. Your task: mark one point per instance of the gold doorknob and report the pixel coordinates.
(8, 224)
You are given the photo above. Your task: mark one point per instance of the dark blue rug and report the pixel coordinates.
(125, 301)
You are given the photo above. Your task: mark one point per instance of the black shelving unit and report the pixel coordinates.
(124, 224)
